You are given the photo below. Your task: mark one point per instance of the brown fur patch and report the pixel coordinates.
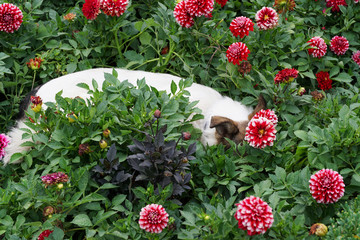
(261, 105)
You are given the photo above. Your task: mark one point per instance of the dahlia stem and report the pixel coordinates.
(33, 81)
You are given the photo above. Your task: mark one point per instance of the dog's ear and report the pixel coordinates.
(225, 127)
(261, 105)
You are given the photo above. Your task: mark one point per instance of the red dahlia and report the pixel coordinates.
(221, 2)
(153, 218)
(286, 75)
(339, 45)
(11, 17)
(260, 133)
(319, 47)
(182, 16)
(91, 9)
(327, 186)
(44, 234)
(268, 114)
(335, 4)
(114, 7)
(237, 52)
(199, 7)
(356, 57)
(324, 81)
(254, 215)
(241, 26)
(34, 63)
(266, 18)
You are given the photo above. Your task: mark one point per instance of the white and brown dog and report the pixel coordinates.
(223, 117)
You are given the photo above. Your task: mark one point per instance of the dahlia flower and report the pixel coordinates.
(356, 57)
(339, 45)
(237, 52)
(356, 1)
(268, 114)
(221, 2)
(114, 7)
(244, 68)
(4, 141)
(34, 63)
(254, 215)
(84, 148)
(301, 91)
(199, 7)
(241, 26)
(69, 17)
(266, 18)
(44, 234)
(36, 103)
(286, 75)
(260, 133)
(54, 178)
(319, 47)
(284, 5)
(324, 81)
(153, 218)
(317, 96)
(182, 16)
(91, 9)
(327, 186)
(11, 17)
(335, 4)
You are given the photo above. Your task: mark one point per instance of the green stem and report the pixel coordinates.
(33, 82)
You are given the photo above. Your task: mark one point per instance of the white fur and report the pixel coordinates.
(211, 102)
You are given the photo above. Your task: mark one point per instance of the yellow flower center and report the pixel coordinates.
(266, 17)
(261, 132)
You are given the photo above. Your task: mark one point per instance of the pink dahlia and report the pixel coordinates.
(221, 2)
(286, 75)
(241, 26)
(182, 16)
(153, 218)
(4, 141)
(44, 234)
(114, 7)
(319, 47)
(199, 7)
(335, 4)
(324, 81)
(91, 9)
(237, 52)
(356, 1)
(260, 133)
(54, 178)
(327, 186)
(254, 215)
(268, 114)
(11, 17)
(356, 57)
(339, 45)
(266, 18)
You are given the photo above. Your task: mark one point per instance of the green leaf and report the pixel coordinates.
(71, 67)
(82, 220)
(189, 218)
(301, 134)
(173, 87)
(343, 77)
(145, 38)
(280, 173)
(104, 216)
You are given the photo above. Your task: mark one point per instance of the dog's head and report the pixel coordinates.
(233, 130)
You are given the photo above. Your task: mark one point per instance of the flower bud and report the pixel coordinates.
(301, 91)
(35, 63)
(165, 50)
(157, 113)
(60, 186)
(106, 133)
(48, 211)
(103, 144)
(72, 117)
(186, 136)
(84, 148)
(36, 103)
(206, 217)
(318, 229)
(317, 96)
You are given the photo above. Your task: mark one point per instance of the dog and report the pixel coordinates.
(224, 118)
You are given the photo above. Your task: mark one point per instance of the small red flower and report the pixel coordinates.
(324, 81)
(335, 4)
(153, 218)
(266, 18)
(356, 57)
(339, 45)
(4, 141)
(254, 215)
(286, 75)
(54, 178)
(186, 136)
(114, 7)
(241, 26)
(260, 133)
(44, 234)
(268, 114)
(69, 17)
(35, 63)
(319, 47)
(91, 9)
(199, 7)
(84, 148)
(221, 2)
(237, 52)
(36, 103)
(327, 186)
(182, 16)
(11, 17)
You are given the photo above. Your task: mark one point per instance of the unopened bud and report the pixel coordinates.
(301, 91)
(106, 133)
(157, 113)
(186, 136)
(103, 144)
(60, 186)
(318, 229)
(72, 117)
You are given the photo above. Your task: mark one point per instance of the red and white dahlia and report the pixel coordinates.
(268, 114)
(153, 218)
(266, 18)
(254, 215)
(327, 186)
(286, 75)
(114, 7)
(91, 9)
(339, 45)
(324, 81)
(260, 133)
(319, 47)
(11, 17)
(335, 4)
(221, 2)
(356, 57)
(199, 7)
(44, 234)
(182, 16)
(241, 26)
(237, 52)
(4, 141)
